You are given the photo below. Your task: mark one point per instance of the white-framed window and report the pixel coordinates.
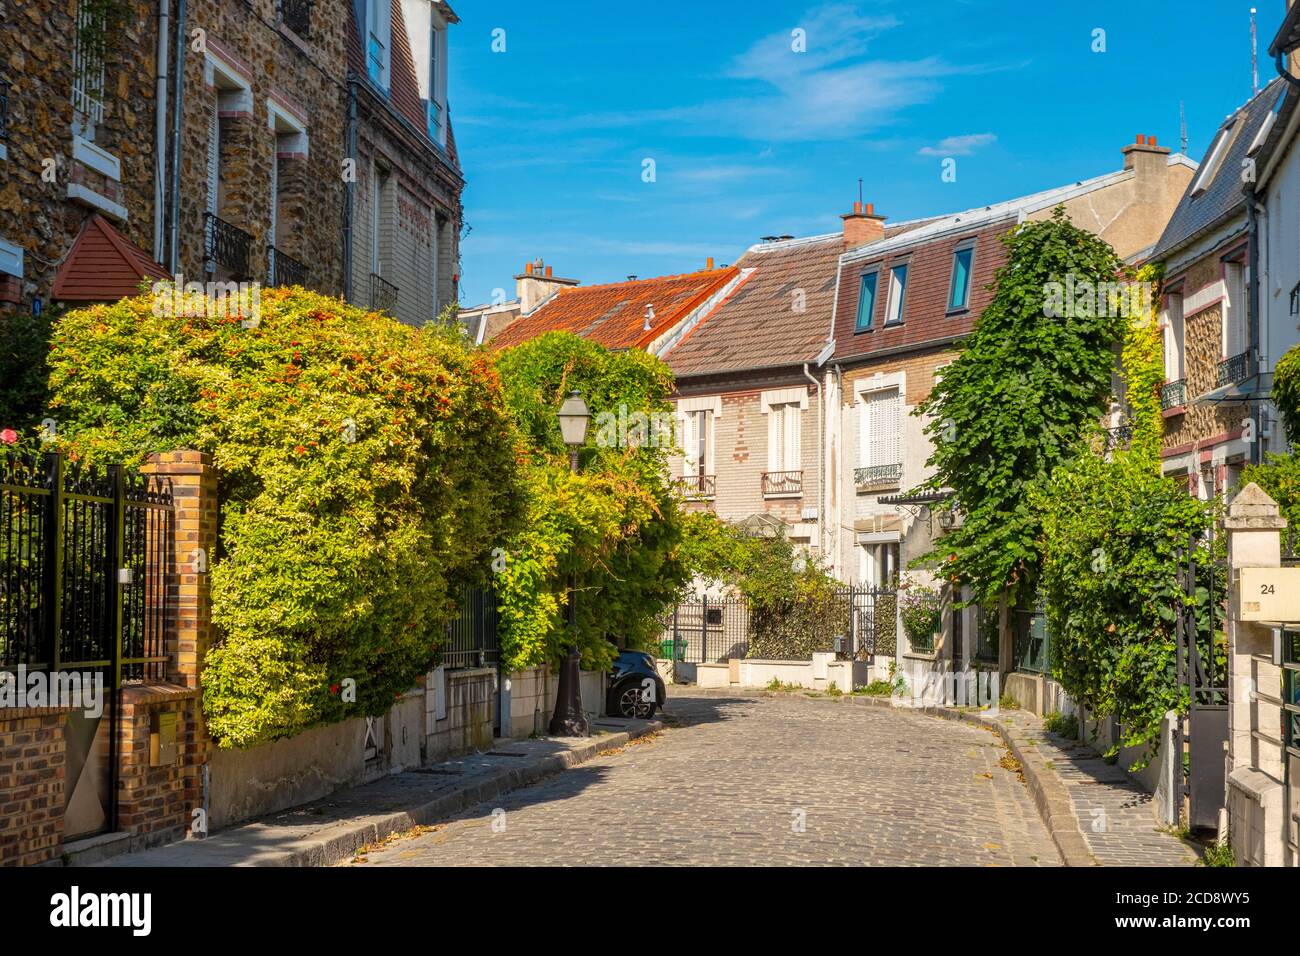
(379, 31)
(378, 197)
(214, 158)
(436, 104)
(697, 442)
(1234, 309)
(880, 431)
(1174, 339)
(1215, 158)
(897, 294)
(88, 65)
(880, 563)
(783, 437)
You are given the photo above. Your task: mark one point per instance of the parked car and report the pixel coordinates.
(635, 687)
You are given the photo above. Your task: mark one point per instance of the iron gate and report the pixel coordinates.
(85, 575)
(1201, 666)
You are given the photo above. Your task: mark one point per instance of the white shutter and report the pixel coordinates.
(774, 428)
(689, 444)
(214, 155)
(791, 456)
(883, 426)
(1234, 312)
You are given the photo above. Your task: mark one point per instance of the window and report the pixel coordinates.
(435, 104)
(1174, 339)
(695, 443)
(867, 300)
(783, 437)
(1234, 310)
(88, 65)
(1214, 159)
(1267, 126)
(379, 33)
(897, 292)
(880, 429)
(959, 290)
(378, 198)
(881, 560)
(214, 159)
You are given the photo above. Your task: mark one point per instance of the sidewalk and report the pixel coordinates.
(331, 829)
(1096, 814)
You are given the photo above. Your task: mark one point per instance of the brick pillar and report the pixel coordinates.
(194, 491)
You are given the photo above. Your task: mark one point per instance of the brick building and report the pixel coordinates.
(905, 298)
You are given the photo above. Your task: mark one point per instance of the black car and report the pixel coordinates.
(635, 687)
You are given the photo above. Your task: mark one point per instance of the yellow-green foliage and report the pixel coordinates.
(1143, 366)
(366, 469)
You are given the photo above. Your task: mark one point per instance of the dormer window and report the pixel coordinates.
(1215, 159)
(436, 103)
(379, 31)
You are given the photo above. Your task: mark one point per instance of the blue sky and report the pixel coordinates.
(751, 138)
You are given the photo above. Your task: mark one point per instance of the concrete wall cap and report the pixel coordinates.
(1252, 509)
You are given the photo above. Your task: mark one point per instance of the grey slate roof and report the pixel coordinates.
(1223, 198)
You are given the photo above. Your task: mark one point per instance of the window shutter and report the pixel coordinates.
(792, 438)
(882, 438)
(214, 155)
(689, 446)
(774, 430)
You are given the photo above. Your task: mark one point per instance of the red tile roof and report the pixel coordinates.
(614, 315)
(103, 266)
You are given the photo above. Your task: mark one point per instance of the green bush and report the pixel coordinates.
(367, 468)
(1063, 725)
(1286, 393)
(24, 349)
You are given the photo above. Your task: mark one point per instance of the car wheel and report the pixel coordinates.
(631, 703)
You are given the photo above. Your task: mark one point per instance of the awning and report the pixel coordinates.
(1255, 388)
(104, 266)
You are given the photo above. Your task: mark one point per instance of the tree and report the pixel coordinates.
(366, 470)
(617, 525)
(1028, 383)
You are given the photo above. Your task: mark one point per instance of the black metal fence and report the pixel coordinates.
(856, 623)
(85, 569)
(472, 632)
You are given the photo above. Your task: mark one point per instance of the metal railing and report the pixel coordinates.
(1173, 395)
(1118, 437)
(1033, 643)
(878, 475)
(296, 15)
(698, 486)
(472, 632)
(383, 294)
(227, 245)
(285, 269)
(782, 482)
(1234, 369)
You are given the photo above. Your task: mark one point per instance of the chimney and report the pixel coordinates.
(1145, 156)
(536, 284)
(862, 226)
(708, 264)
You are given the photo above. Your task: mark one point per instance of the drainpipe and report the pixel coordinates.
(160, 131)
(836, 530)
(821, 466)
(350, 190)
(178, 111)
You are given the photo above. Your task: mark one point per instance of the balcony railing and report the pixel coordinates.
(285, 269)
(1235, 369)
(698, 486)
(1118, 437)
(1173, 395)
(4, 111)
(878, 476)
(383, 294)
(228, 246)
(783, 482)
(296, 15)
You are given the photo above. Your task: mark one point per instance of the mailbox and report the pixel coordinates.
(162, 738)
(1269, 594)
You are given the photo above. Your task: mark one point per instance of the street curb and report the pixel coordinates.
(341, 841)
(1049, 794)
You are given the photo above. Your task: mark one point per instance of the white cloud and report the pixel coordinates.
(959, 145)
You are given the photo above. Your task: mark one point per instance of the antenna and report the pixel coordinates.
(1254, 56)
(1182, 126)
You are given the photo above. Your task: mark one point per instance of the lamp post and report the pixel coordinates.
(568, 720)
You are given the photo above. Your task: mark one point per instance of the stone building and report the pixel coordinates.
(404, 208)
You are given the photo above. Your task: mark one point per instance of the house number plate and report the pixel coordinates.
(1269, 594)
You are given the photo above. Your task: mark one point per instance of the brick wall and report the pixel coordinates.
(31, 786)
(156, 802)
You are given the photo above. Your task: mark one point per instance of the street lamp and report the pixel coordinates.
(568, 720)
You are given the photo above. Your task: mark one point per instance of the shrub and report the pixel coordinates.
(919, 607)
(1063, 725)
(366, 470)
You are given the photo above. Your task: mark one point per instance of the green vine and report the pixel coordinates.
(1143, 366)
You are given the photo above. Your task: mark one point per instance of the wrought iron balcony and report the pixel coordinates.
(227, 245)
(1118, 437)
(383, 294)
(1173, 395)
(783, 482)
(4, 111)
(285, 269)
(698, 486)
(296, 15)
(878, 476)
(1235, 369)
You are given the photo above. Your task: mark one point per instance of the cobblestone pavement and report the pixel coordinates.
(1114, 813)
(731, 783)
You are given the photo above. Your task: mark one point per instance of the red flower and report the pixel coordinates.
(9, 436)
(334, 688)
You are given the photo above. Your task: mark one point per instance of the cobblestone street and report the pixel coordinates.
(731, 782)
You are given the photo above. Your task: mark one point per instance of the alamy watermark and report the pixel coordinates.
(73, 690)
(1084, 299)
(210, 300)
